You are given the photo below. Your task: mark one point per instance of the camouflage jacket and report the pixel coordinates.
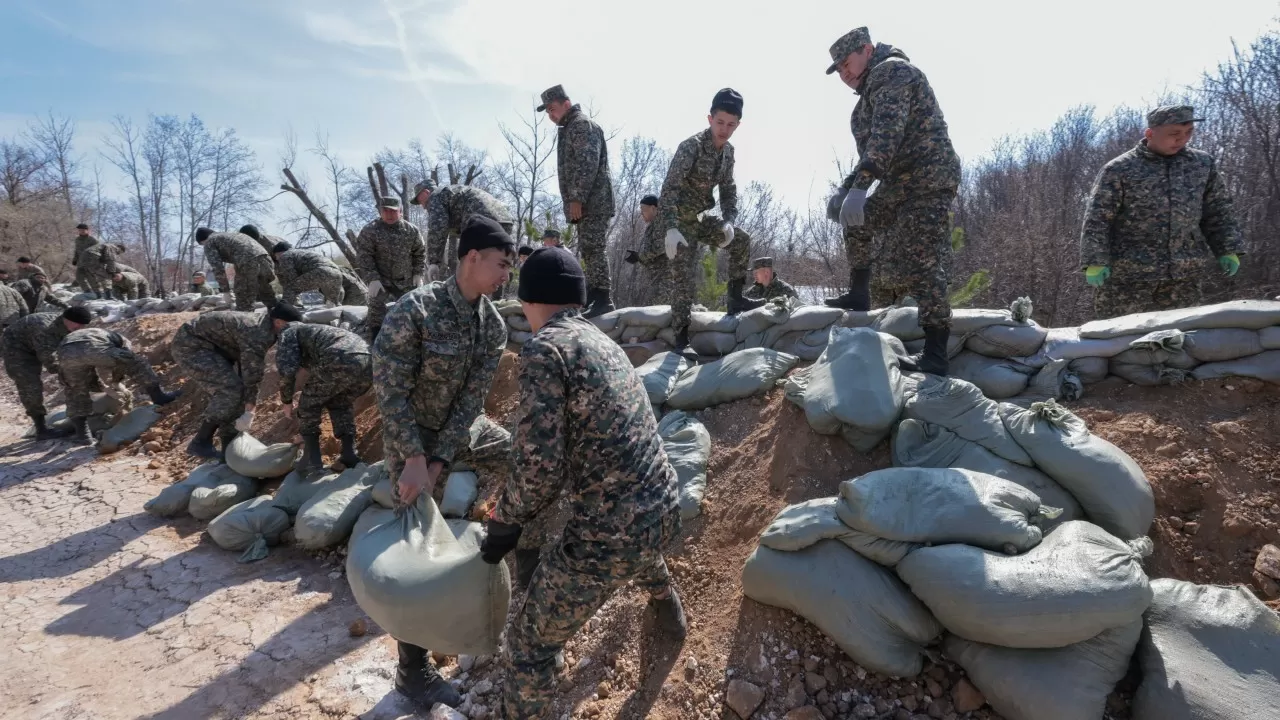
(391, 254)
(314, 347)
(202, 289)
(241, 337)
(1152, 217)
(295, 263)
(588, 430)
(583, 161)
(39, 334)
(654, 249)
(23, 273)
(82, 243)
(777, 288)
(228, 247)
(131, 284)
(696, 168)
(433, 364)
(35, 296)
(100, 259)
(268, 242)
(450, 206)
(96, 337)
(12, 306)
(900, 132)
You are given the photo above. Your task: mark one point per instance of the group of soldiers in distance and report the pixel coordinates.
(433, 338)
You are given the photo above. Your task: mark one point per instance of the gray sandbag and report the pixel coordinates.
(1109, 485)
(1181, 360)
(1008, 341)
(354, 314)
(799, 526)
(128, 428)
(1263, 366)
(944, 505)
(955, 346)
(688, 446)
(382, 486)
(918, 444)
(961, 407)
(1246, 314)
(733, 377)
(1208, 653)
(654, 316)
(861, 606)
(507, 308)
(1066, 344)
(251, 526)
(755, 340)
(1090, 370)
(209, 502)
(900, 322)
(659, 374)
(1142, 356)
(668, 336)
(249, 457)
(714, 322)
(633, 334)
(326, 519)
(1069, 683)
(296, 489)
(1146, 375)
(860, 318)
(1078, 582)
(421, 579)
(605, 322)
(519, 322)
(173, 500)
(997, 378)
(1052, 382)
(807, 319)
(762, 318)
(1170, 340)
(322, 316)
(1269, 338)
(461, 489)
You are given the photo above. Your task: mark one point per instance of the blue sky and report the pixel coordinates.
(372, 73)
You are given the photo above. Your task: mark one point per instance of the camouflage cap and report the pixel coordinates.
(1172, 115)
(551, 233)
(389, 202)
(417, 190)
(555, 93)
(848, 43)
(762, 262)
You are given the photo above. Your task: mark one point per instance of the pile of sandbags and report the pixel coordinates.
(734, 377)
(659, 374)
(176, 499)
(327, 517)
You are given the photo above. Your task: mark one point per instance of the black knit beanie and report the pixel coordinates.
(481, 233)
(78, 315)
(282, 246)
(252, 231)
(203, 234)
(552, 276)
(285, 312)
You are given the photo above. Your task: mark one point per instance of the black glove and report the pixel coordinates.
(499, 539)
(632, 257)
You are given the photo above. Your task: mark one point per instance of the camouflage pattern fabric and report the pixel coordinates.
(130, 286)
(22, 273)
(29, 345)
(914, 258)
(13, 306)
(35, 295)
(304, 270)
(392, 255)
(592, 240)
(210, 347)
(448, 209)
(588, 431)
(340, 370)
(486, 451)
(653, 257)
(583, 160)
(1114, 299)
(254, 268)
(86, 354)
(775, 289)
(354, 291)
(80, 244)
(697, 168)
(97, 264)
(1152, 217)
(686, 268)
(203, 289)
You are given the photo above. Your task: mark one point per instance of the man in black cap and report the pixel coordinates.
(586, 190)
(263, 239)
(652, 255)
(767, 283)
(36, 291)
(31, 344)
(84, 240)
(587, 432)
(391, 259)
(433, 365)
(903, 142)
(255, 270)
(26, 268)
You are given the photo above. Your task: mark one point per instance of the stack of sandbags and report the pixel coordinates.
(805, 331)
(640, 324)
(961, 407)
(1156, 358)
(734, 377)
(713, 333)
(659, 374)
(753, 324)
(688, 447)
(176, 499)
(328, 516)
(183, 302)
(249, 457)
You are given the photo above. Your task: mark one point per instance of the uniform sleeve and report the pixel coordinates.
(366, 262)
(728, 189)
(456, 433)
(75, 252)
(253, 360)
(788, 289)
(47, 348)
(889, 116)
(397, 357)
(214, 259)
(1099, 214)
(418, 254)
(681, 164)
(288, 361)
(654, 247)
(53, 300)
(753, 292)
(285, 271)
(540, 467)
(582, 155)
(437, 227)
(1219, 220)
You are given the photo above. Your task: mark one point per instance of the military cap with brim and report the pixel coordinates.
(389, 202)
(555, 93)
(551, 233)
(82, 226)
(727, 100)
(1172, 115)
(417, 190)
(762, 262)
(848, 44)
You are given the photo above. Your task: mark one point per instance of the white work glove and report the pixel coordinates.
(851, 210)
(433, 273)
(118, 392)
(245, 421)
(375, 288)
(417, 281)
(728, 235)
(674, 241)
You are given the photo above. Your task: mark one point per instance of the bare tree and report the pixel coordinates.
(524, 174)
(55, 136)
(19, 166)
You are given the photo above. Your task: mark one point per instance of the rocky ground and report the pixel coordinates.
(114, 614)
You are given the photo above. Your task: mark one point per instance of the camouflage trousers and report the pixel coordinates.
(354, 291)
(489, 454)
(326, 280)
(335, 388)
(378, 310)
(79, 368)
(90, 282)
(912, 259)
(661, 278)
(124, 292)
(23, 367)
(685, 269)
(592, 232)
(215, 373)
(253, 283)
(1114, 299)
(567, 589)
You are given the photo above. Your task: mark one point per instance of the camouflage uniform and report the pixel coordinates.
(777, 288)
(13, 306)
(130, 286)
(696, 168)
(26, 272)
(583, 161)
(35, 296)
(393, 255)
(303, 270)
(254, 269)
(653, 257)
(82, 243)
(904, 143)
(85, 353)
(448, 208)
(29, 345)
(354, 291)
(587, 431)
(1150, 219)
(433, 365)
(210, 347)
(203, 289)
(339, 371)
(97, 263)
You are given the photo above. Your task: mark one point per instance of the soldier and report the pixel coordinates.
(86, 352)
(701, 163)
(129, 285)
(904, 143)
(588, 431)
(254, 269)
(586, 190)
(1153, 212)
(83, 241)
(198, 285)
(26, 268)
(303, 270)
(433, 365)
(13, 306)
(97, 264)
(653, 255)
(4, 276)
(266, 241)
(767, 284)
(338, 371)
(508, 291)
(447, 210)
(30, 344)
(390, 258)
(209, 348)
(551, 238)
(35, 291)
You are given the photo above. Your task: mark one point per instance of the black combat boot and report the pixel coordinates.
(418, 680)
(224, 438)
(526, 562)
(671, 620)
(349, 458)
(599, 302)
(202, 444)
(81, 435)
(160, 397)
(44, 432)
(738, 303)
(682, 346)
(934, 358)
(311, 460)
(859, 295)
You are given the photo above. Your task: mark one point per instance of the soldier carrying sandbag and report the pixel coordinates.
(85, 353)
(304, 270)
(35, 291)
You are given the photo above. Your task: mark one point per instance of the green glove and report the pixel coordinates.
(1230, 264)
(1095, 275)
